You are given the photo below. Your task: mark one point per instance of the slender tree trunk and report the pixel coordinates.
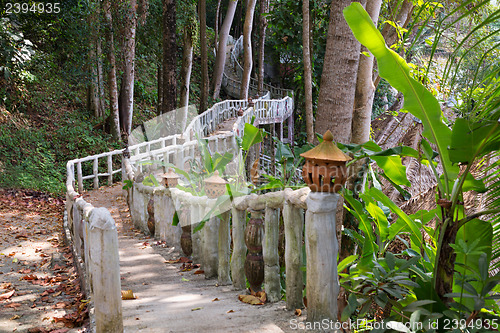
(100, 78)
(220, 59)
(216, 28)
(264, 9)
(365, 90)
(187, 64)
(336, 95)
(306, 55)
(113, 88)
(169, 80)
(247, 47)
(204, 55)
(127, 87)
(159, 79)
(94, 101)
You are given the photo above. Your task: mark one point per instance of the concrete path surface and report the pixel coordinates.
(169, 300)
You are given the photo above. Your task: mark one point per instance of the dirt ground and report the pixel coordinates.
(39, 289)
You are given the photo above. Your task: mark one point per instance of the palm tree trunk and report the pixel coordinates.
(306, 55)
(204, 56)
(264, 9)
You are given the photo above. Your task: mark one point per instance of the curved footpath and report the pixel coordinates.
(169, 300)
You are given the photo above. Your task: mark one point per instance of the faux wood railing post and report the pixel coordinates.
(196, 215)
(105, 269)
(321, 252)
(254, 264)
(239, 249)
(79, 176)
(96, 173)
(211, 247)
(224, 278)
(110, 169)
(294, 227)
(270, 255)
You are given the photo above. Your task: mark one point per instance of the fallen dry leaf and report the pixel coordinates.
(5, 285)
(298, 312)
(230, 311)
(215, 299)
(12, 305)
(195, 309)
(200, 271)
(250, 299)
(7, 295)
(128, 294)
(15, 317)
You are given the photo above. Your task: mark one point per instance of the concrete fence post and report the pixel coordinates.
(321, 253)
(239, 249)
(224, 278)
(105, 269)
(293, 218)
(270, 255)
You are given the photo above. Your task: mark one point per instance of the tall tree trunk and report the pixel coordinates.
(216, 27)
(204, 55)
(264, 9)
(159, 79)
(220, 59)
(94, 101)
(169, 80)
(100, 78)
(113, 88)
(306, 55)
(365, 90)
(187, 64)
(127, 87)
(336, 95)
(247, 48)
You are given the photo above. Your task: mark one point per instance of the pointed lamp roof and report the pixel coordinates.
(326, 151)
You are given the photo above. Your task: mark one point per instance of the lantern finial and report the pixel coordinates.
(328, 136)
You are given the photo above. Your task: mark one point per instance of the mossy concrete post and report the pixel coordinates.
(105, 269)
(223, 275)
(197, 212)
(239, 249)
(293, 218)
(211, 247)
(270, 255)
(321, 252)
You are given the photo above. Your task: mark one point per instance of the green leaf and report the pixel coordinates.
(417, 100)
(175, 219)
(393, 168)
(251, 136)
(346, 262)
(473, 139)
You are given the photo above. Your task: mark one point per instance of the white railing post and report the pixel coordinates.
(79, 176)
(110, 169)
(321, 251)
(105, 271)
(96, 173)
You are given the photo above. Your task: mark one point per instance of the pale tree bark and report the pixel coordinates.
(217, 15)
(204, 55)
(365, 90)
(264, 9)
(187, 64)
(159, 79)
(306, 56)
(127, 87)
(221, 49)
(169, 79)
(95, 102)
(247, 48)
(113, 88)
(337, 89)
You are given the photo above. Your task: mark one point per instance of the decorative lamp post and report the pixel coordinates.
(215, 186)
(170, 178)
(325, 168)
(324, 172)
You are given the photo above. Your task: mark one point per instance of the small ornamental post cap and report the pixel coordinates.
(326, 151)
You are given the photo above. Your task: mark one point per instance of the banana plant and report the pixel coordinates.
(465, 143)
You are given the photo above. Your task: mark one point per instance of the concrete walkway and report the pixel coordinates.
(169, 300)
